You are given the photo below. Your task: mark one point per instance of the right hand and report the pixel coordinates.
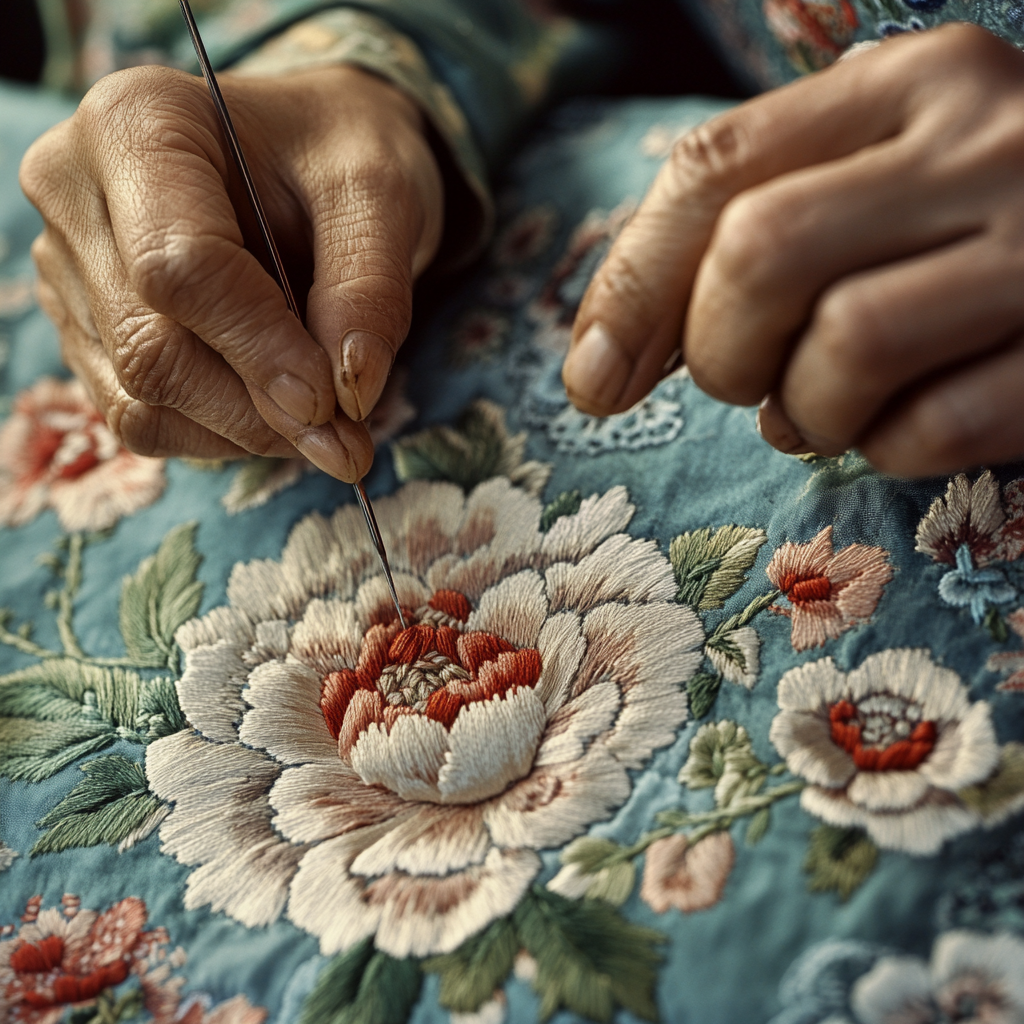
(184, 341)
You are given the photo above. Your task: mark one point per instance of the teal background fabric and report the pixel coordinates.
(688, 463)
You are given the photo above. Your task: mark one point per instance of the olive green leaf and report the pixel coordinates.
(597, 869)
(161, 595)
(590, 959)
(477, 448)
(566, 504)
(34, 750)
(364, 986)
(258, 478)
(112, 805)
(839, 859)
(722, 756)
(712, 564)
(470, 975)
(758, 826)
(1003, 793)
(701, 691)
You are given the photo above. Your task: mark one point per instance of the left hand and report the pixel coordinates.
(850, 246)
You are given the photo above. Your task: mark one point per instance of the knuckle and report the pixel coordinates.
(754, 232)
(136, 425)
(42, 169)
(170, 269)
(146, 360)
(853, 335)
(712, 154)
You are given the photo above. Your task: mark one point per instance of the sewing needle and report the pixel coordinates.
(235, 147)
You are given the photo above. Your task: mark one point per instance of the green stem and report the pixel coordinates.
(755, 607)
(23, 644)
(66, 598)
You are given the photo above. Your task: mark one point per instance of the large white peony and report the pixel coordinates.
(398, 783)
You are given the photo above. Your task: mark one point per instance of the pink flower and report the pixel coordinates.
(56, 452)
(828, 592)
(1010, 662)
(687, 877)
(526, 237)
(813, 34)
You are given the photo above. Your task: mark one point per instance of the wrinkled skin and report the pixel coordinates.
(184, 341)
(848, 249)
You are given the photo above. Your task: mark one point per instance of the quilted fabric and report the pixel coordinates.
(682, 728)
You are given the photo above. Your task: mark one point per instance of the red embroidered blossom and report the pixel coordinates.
(1011, 663)
(56, 452)
(829, 592)
(813, 34)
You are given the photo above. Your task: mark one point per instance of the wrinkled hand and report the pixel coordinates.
(852, 247)
(183, 339)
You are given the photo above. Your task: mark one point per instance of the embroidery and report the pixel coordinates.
(104, 967)
(1010, 663)
(397, 783)
(970, 976)
(812, 34)
(827, 592)
(895, 747)
(987, 891)
(56, 452)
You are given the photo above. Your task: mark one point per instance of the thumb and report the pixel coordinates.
(374, 231)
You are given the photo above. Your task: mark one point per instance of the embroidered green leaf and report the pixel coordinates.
(596, 868)
(1003, 793)
(590, 959)
(159, 711)
(111, 804)
(758, 826)
(258, 479)
(701, 691)
(590, 853)
(566, 504)
(163, 593)
(996, 625)
(711, 565)
(727, 646)
(613, 883)
(722, 756)
(364, 986)
(476, 449)
(839, 859)
(734, 622)
(33, 751)
(470, 975)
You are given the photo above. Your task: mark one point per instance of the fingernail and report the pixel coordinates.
(365, 364)
(323, 448)
(596, 370)
(777, 429)
(294, 396)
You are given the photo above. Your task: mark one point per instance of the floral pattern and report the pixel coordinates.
(56, 452)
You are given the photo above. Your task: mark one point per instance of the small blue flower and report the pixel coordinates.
(966, 586)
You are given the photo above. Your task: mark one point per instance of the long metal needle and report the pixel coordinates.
(235, 148)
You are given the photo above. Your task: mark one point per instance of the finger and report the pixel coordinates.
(964, 418)
(638, 299)
(183, 251)
(875, 333)
(377, 213)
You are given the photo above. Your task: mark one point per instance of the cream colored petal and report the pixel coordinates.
(221, 821)
(749, 643)
(261, 590)
(621, 569)
(815, 623)
(556, 803)
(571, 729)
(425, 916)
(314, 802)
(328, 636)
(373, 601)
(966, 752)
(514, 609)
(812, 687)
(492, 744)
(432, 841)
(315, 564)
(805, 741)
(419, 523)
(599, 516)
(407, 760)
(222, 623)
(650, 651)
(571, 882)
(561, 647)
(920, 831)
(210, 689)
(887, 791)
(285, 718)
(910, 673)
(999, 957)
(353, 556)
(896, 988)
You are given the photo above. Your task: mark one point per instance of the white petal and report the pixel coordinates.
(910, 673)
(328, 637)
(920, 831)
(425, 916)
(407, 760)
(966, 752)
(514, 609)
(373, 598)
(561, 647)
(556, 803)
(571, 882)
(893, 989)
(749, 644)
(318, 801)
(574, 725)
(261, 590)
(222, 623)
(433, 841)
(419, 524)
(599, 516)
(221, 821)
(804, 739)
(494, 1011)
(491, 745)
(621, 569)
(210, 689)
(812, 687)
(285, 717)
(997, 957)
(887, 791)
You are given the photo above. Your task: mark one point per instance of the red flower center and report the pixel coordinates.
(429, 668)
(894, 742)
(44, 958)
(65, 445)
(805, 589)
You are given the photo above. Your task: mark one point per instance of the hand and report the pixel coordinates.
(182, 338)
(852, 247)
